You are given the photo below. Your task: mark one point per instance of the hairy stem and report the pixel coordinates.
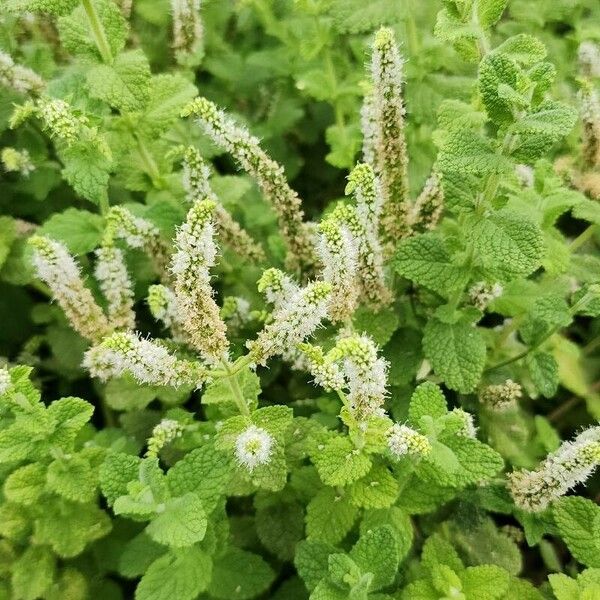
(98, 31)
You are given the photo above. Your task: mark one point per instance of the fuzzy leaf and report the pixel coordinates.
(457, 353)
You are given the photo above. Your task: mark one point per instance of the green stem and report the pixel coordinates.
(149, 163)
(234, 386)
(98, 31)
(583, 237)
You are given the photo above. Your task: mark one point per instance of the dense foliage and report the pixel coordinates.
(299, 299)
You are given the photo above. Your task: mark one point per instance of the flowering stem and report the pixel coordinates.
(235, 388)
(97, 31)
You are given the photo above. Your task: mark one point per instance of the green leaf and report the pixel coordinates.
(240, 574)
(379, 326)
(427, 400)
(311, 561)
(220, 392)
(180, 574)
(490, 11)
(87, 170)
(377, 552)
(378, 489)
(497, 69)
(33, 573)
(8, 234)
(507, 243)
(80, 230)
(182, 523)
(280, 527)
(117, 470)
(124, 84)
(543, 370)
(522, 48)
(69, 526)
(73, 478)
(578, 520)
(329, 516)
(485, 582)
(467, 152)
(339, 463)
(168, 95)
(457, 353)
(53, 7)
(204, 471)
(26, 484)
(404, 354)
(77, 36)
(138, 554)
(424, 260)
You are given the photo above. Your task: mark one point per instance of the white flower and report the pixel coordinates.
(57, 268)
(501, 397)
(326, 373)
(19, 78)
(17, 161)
(162, 434)
(339, 254)
(590, 119)
(253, 447)
(405, 441)
(148, 362)
(5, 381)
(425, 213)
(111, 273)
(568, 466)
(137, 232)
(482, 294)
(589, 59)
(385, 121)
(268, 174)
(187, 25)
(292, 323)
(277, 286)
(196, 252)
(468, 428)
(365, 373)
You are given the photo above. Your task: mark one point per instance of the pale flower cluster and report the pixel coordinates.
(17, 77)
(383, 118)
(196, 174)
(292, 322)
(571, 464)
(253, 447)
(162, 434)
(187, 25)
(267, 173)
(148, 362)
(501, 397)
(5, 381)
(114, 281)
(57, 268)
(17, 161)
(405, 441)
(482, 294)
(196, 253)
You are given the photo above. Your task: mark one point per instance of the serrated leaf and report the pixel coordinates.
(204, 471)
(467, 152)
(329, 516)
(489, 11)
(377, 552)
(457, 353)
(427, 400)
(424, 260)
(181, 574)
(124, 84)
(543, 370)
(579, 525)
(240, 574)
(507, 243)
(339, 463)
(181, 523)
(378, 489)
(80, 230)
(311, 561)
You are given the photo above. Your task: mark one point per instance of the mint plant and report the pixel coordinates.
(280, 325)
